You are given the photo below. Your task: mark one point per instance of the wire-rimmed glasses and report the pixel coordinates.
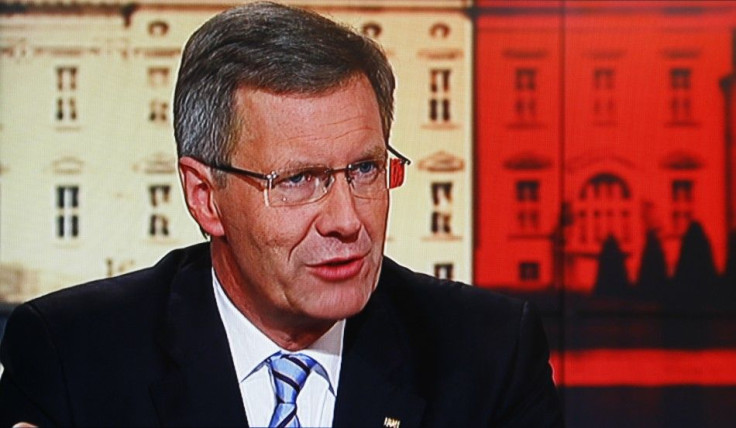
(368, 179)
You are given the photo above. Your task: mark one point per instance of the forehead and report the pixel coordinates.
(336, 126)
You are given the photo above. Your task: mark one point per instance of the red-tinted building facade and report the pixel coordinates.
(598, 119)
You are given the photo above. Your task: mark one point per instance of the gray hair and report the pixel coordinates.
(270, 47)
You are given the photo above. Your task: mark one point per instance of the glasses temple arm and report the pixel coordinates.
(396, 153)
(233, 170)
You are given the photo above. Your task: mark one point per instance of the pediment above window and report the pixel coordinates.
(600, 160)
(442, 161)
(527, 161)
(681, 160)
(67, 165)
(157, 163)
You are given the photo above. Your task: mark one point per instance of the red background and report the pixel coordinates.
(605, 193)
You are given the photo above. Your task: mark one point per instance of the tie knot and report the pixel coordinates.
(289, 372)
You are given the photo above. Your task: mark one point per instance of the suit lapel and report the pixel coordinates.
(376, 377)
(200, 387)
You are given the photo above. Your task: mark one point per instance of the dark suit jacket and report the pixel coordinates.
(148, 348)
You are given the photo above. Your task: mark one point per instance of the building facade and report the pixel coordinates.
(597, 119)
(430, 227)
(88, 180)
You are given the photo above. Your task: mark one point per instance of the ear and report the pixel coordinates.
(199, 192)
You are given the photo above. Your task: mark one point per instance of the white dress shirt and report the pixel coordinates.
(250, 348)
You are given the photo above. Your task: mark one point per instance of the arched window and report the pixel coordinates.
(439, 30)
(603, 207)
(158, 28)
(371, 29)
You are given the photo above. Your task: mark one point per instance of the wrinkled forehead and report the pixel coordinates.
(342, 124)
(245, 91)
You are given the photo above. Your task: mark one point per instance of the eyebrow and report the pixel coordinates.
(374, 152)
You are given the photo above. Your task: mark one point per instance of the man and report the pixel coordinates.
(290, 315)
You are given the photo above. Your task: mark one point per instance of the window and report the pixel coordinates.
(680, 106)
(603, 78)
(441, 208)
(682, 191)
(528, 271)
(444, 270)
(158, 29)
(158, 225)
(527, 190)
(118, 266)
(158, 112)
(158, 81)
(603, 208)
(680, 78)
(67, 207)
(526, 95)
(66, 91)
(439, 101)
(158, 77)
(604, 105)
(682, 205)
(527, 199)
(371, 29)
(439, 30)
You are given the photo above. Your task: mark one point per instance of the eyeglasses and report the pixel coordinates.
(368, 179)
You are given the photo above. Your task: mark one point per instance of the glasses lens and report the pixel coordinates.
(298, 186)
(368, 178)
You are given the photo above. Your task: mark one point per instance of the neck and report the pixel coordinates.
(290, 331)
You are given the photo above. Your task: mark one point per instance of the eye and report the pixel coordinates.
(296, 178)
(366, 167)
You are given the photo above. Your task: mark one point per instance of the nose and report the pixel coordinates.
(339, 217)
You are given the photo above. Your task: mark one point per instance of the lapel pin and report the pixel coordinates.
(391, 423)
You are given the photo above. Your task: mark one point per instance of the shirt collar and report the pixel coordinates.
(250, 347)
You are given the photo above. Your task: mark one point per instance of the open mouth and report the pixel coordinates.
(338, 269)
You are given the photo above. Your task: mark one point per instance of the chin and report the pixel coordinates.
(341, 306)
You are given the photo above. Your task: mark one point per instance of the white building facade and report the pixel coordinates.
(88, 180)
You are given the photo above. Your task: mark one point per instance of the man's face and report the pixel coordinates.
(314, 262)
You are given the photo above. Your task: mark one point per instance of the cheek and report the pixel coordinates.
(375, 219)
(253, 232)
(281, 233)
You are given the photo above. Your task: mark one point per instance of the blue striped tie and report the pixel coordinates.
(289, 372)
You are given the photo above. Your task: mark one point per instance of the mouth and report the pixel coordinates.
(338, 269)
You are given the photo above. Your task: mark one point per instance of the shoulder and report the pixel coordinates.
(60, 345)
(450, 317)
(106, 294)
(108, 305)
(426, 295)
(467, 338)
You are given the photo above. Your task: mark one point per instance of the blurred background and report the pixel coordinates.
(578, 154)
